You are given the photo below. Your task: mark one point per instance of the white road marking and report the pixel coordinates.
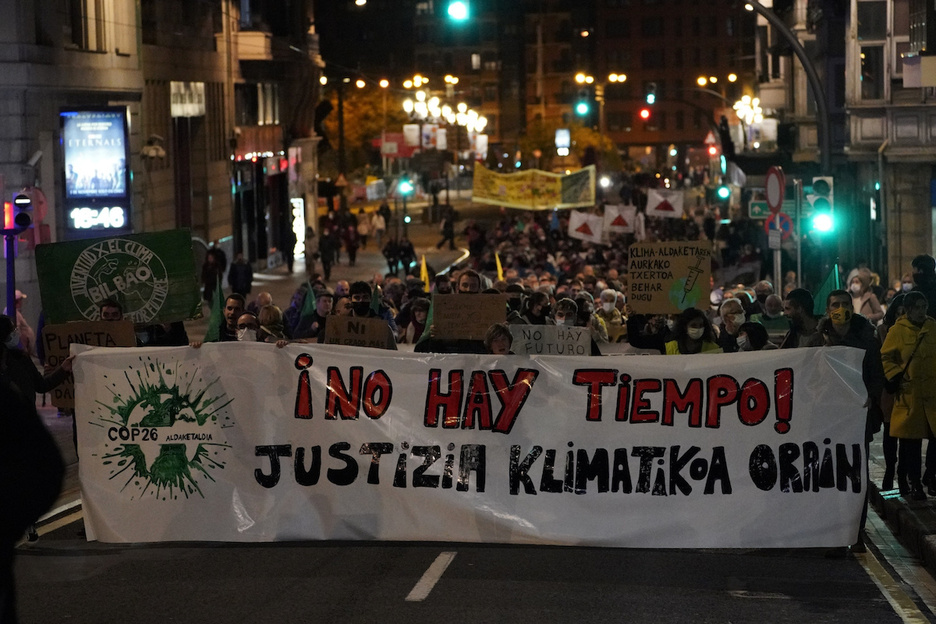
(430, 577)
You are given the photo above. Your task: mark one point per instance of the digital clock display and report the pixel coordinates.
(105, 218)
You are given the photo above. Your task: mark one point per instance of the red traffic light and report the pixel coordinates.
(645, 113)
(8, 215)
(712, 150)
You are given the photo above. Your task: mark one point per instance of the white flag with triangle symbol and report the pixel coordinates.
(620, 219)
(665, 203)
(585, 226)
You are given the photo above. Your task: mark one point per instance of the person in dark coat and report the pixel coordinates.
(391, 252)
(842, 327)
(328, 248)
(240, 277)
(31, 471)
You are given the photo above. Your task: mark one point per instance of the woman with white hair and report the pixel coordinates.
(607, 310)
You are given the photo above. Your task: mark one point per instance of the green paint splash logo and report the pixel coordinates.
(164, 430)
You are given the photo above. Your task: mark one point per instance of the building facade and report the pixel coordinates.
(195, 89)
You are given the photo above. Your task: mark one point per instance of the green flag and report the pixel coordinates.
(425, 334)
(831, 283)
(375, 300)
(151, 275)
(213, 333)
(308, 304)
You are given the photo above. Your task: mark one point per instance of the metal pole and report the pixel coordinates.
(798, 211)
(11, 276)
(777, 257)
(822, 109)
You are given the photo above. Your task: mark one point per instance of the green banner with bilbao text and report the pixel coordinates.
(152, 276)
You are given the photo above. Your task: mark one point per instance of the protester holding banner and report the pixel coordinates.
(271, 324)
(798, 306)
(363, 305)
(608, 311)
(753, 336)
(498, 339)
(17, 368)
(908, 356)
(731, 313)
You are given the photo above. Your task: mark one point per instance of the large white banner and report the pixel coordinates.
(248, 443)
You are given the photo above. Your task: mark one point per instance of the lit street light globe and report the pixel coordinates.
(458, 10)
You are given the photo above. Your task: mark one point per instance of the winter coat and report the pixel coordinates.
(914, 414)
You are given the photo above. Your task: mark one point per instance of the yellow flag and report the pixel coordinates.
(500, 269)
(424, 273)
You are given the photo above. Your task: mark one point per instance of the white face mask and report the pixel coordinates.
(855, 288)
(13, 339)
(564, 322)
(247, 335)
(607, 306)
(742, 343)
(670, 324)
(736, 319)
(695, 332)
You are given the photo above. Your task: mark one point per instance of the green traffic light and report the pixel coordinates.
(458, 10)
(822, 222)
(581, 108)
(724, 192)
(405, 186)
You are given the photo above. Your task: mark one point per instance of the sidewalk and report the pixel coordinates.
(913, 523)
(281, 286)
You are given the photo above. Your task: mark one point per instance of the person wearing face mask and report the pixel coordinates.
(567, 315)
(692, 333)
(586, 317)
(608, 312)
(842, 327)
(732, 318)
(909, 359)
(773, 320)
(924, 280)
(363, 306)
(18, 369)
(247, 327)
(753, 337)
(864, 301)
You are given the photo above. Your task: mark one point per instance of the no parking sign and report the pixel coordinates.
(786, 225)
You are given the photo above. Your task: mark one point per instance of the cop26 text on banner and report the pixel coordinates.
(247, 442)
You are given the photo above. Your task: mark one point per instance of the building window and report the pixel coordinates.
(490, 92)
(84, 24)
(617, 29)
(872, 72)
(651, 27)
(475, 62)
(680, 120)
(872, 20)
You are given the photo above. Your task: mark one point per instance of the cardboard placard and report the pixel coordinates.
(57, 341)
(359, 332)
(550, 340)
(467, 317)
(668, 277)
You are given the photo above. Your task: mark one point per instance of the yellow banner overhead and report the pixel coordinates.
(535, 189)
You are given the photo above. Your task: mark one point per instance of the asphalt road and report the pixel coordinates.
(62, 578)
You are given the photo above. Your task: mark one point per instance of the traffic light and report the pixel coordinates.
(406, 187)
(583, 102)
(823, 205)
(651, 93)
(17, 214)
(723, 192)
(645, 114)
(458, 10)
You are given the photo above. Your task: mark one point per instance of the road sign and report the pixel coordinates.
(758, 210)
(342, 180)
(773, 239)
(710, 139)
(776, 182)
(786, 225)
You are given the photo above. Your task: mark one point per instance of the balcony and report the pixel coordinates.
(253, 45)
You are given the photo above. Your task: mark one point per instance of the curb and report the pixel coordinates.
(911, 522)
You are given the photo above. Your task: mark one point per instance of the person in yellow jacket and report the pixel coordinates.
(912, 340)
(692, 333)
